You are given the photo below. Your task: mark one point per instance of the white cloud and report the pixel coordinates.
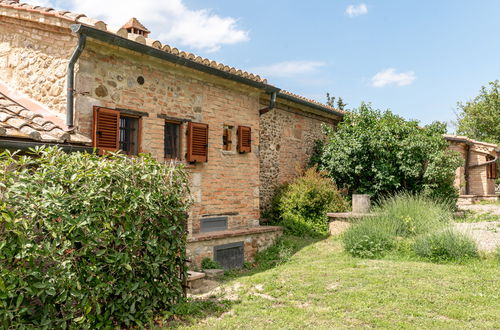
(390, 76)
(353, 10)
(170, 21)
(289, 68)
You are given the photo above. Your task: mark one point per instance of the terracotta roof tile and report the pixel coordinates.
(18, 122)
(465, 138)
(310, 101)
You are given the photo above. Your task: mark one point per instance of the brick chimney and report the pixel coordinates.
(135, 27)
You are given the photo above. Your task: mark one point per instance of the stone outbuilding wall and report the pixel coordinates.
(287, 138)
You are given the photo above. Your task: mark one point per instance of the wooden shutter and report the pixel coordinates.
(244, 139)
(106, 130)
(197, 150)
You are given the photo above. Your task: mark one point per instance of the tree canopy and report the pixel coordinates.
(381, 153)
(480, 118)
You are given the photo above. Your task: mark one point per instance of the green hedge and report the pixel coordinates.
(89, 241)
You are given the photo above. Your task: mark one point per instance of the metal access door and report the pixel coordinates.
(230, 255)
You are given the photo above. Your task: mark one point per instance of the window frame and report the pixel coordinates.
(227, 137)
(139, 133)
(179, 123)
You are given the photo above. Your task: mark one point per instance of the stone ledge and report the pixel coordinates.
(233, 233)
(348, 215)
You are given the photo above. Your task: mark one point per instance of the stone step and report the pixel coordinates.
(195, 279)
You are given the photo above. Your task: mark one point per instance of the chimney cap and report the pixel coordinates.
(134, 24)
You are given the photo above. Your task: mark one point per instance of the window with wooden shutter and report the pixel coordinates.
(197, 142)
(106, 130)
(244, 139)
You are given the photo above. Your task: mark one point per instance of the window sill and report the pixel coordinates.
(228, 152)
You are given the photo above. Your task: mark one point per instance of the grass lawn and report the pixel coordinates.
(322, 287)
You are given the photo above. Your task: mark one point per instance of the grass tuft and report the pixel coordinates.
(446, 245)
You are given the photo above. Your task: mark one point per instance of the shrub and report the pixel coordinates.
(301, 206)
(400, 216)
(380, 153)
(446, 245)
(208, 263)
(89, 241)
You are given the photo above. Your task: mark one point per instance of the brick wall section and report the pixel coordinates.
(287, 138)
(34, 59)
(228, 184)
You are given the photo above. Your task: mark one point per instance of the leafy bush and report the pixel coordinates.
(208, 263)
(400, 216)
(89, 241)
(301, 206)
(380, 153)
(446, 245)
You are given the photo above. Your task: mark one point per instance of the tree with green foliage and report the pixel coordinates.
(330, 101)
(380, 153)
(479, 119)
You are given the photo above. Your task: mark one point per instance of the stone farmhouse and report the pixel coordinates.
(70, 80)
(476, 178)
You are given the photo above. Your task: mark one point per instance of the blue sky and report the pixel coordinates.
(417, 58)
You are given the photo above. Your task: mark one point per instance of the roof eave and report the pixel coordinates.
(310, 104)
(116, 40)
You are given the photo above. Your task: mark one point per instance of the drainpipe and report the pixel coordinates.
(272, 103)
(71, 80)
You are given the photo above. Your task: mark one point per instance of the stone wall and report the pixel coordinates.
(288, 136)
(34, 59)
(228, 184)
(254, 241)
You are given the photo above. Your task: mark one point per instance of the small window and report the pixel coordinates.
(129, 135)
(227, 138)
(172, 140)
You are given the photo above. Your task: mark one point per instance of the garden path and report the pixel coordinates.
(485, 233)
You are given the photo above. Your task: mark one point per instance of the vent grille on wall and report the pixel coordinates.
(213, 224)
(229, 255)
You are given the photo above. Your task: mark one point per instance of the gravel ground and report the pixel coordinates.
(487, 208)
(486, 234)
